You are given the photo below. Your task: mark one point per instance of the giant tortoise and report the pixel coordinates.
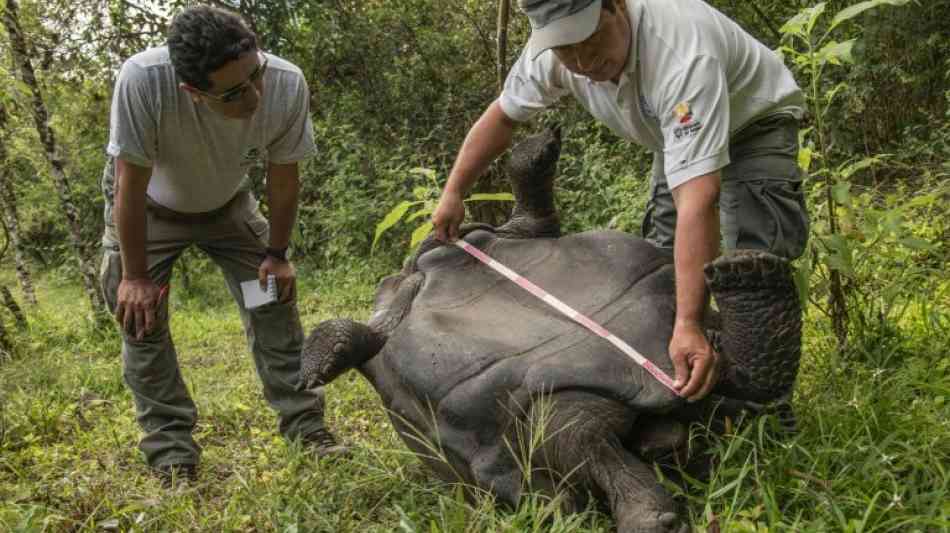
(471, 367)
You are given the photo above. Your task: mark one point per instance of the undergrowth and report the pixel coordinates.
(871, 453)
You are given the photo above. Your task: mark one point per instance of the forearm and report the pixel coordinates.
(489, 137)
(697, 235)
(129, 218)
(696, 243)
(283, 191)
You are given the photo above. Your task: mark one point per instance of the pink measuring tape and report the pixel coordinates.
(569, 312)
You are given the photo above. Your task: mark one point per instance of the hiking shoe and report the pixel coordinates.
(176, 473)
(323, 444)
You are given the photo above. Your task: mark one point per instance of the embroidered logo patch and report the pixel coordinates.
(683, 112)
(688, 127)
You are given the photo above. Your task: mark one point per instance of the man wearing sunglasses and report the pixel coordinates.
(719, 110)
(188, 120)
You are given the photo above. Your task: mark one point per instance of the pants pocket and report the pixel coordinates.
(258, 227)
(659, 221)
(110, 275)
(773, 217)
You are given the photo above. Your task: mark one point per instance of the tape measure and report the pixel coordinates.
(569, 312)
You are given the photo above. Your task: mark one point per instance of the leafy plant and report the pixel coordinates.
(832, 249)
(426, 199)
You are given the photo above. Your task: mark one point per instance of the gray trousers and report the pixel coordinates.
(761, 204)
(235, 241)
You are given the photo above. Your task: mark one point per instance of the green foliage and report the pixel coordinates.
(602, 181)
(426, 200)
(396, 85)
(870, 456)
(845, 253)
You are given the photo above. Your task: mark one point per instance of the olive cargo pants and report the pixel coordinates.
(761, 204)
(235, 241)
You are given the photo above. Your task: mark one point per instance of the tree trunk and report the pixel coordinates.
(504, 9)
(14, 307)
(6, 347)
(19, 49)
(11, 221)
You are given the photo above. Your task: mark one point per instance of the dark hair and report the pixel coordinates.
(202, 39)
(610, 5)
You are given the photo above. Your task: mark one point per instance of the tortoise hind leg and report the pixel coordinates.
(583, 442)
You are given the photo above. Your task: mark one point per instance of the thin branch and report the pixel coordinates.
(6, 234)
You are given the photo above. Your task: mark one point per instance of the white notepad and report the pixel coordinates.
(254, 297)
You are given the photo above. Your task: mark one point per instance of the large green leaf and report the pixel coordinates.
(893, 221)
(391, 219)
(916, 243)
(420, 193)
(802, 23)
(850, 169)
(420, 233)
(852, 11)
(839, 254)
(830, 94)
(804, 158)
(420, 213)
(923, 200)
(837, 53)
(841, 192)
(498, 196)
(802, 276)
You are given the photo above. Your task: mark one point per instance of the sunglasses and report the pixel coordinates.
(236, 92)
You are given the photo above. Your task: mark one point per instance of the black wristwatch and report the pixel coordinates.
(277, 253)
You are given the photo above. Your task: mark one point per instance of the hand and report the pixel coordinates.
(695, 363)
(136, 303)
(448, 216)
(286, 276)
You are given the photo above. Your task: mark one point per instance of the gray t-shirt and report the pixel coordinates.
(693, 78)
(198, 157)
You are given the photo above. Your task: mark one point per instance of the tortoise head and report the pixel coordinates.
(334, 347)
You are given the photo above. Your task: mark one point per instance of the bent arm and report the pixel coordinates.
(129, 217)
(283, 190)
(696, 243)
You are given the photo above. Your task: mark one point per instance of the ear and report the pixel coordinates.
(194, 93)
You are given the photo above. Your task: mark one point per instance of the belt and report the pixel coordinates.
(204, 217)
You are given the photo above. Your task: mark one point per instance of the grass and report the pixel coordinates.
(873, 453)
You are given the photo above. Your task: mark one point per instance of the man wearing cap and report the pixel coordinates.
(188, 120)
(718, 109)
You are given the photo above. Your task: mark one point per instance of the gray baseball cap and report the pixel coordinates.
(559, 22)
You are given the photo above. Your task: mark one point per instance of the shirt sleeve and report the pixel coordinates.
(530, 87)
(295, 141)
(133, 124)
(694, 119)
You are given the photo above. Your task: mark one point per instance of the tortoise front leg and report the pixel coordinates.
(583, 441)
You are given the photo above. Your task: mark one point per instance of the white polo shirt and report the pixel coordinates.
(198, 157)
(693, 78)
